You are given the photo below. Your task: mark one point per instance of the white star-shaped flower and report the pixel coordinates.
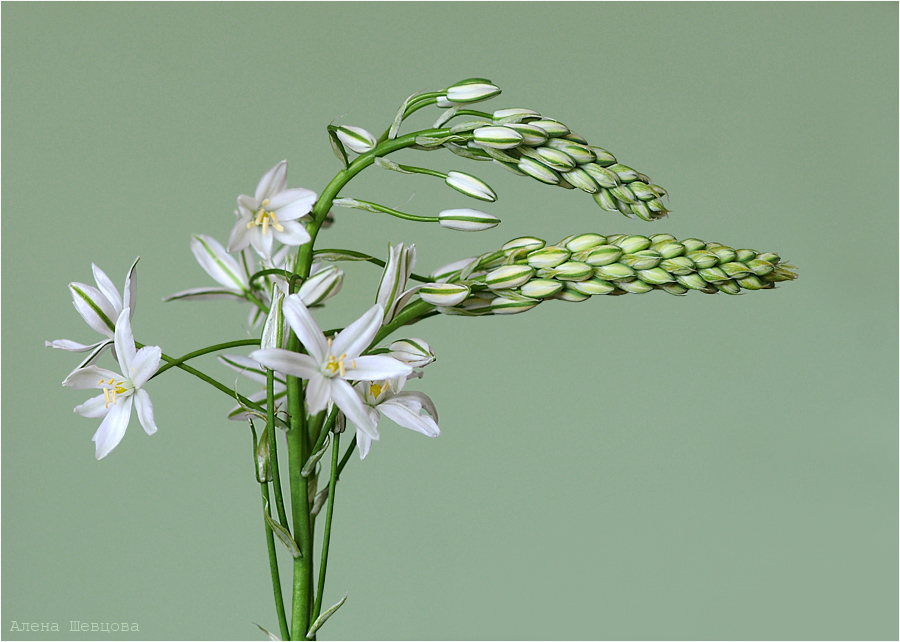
(386, 398)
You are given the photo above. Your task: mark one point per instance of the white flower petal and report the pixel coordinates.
(107, 288)
(111, 431)
(318, 393)
(81, 294)
(292, 203)
(272, 181)
(240, 235)
(363, 443)
(423, 400)
(306, 328)
(374, 367)
(90, 377)
(213, 258)
(294, 233)
(144, 365)
(71, 346)
(351, 404)
(403, 415)
(144, 408)
(129, 293)
(357, 336)
(125, 342)
(291, 363)
(94, 407)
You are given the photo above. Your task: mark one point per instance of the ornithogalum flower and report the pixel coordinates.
(386, 398)
(100, 307)
(120, 391)
(271, 214)
(253, 371)
(330, 363)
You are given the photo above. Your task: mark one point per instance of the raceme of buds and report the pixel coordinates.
(356, 138)
(467, 220)
(412, 352)
(585, 265)
(470, 186)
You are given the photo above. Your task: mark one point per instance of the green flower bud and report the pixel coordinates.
(467, 220)
(450, 270)
(634, 287)
(512, 167)
(692, 281)
(603, 255)
(470, 186)
(603, 157)
(735, 270)
(504, 305)
(745, 256)
(703, 258)
(472, 93)
(774, 259)
(505, 116)
(508, 276)
(642, 190)
(552, 158)
(583, 242)
(674, 288)
(657, 239)
(642, 260)
(356, 138)
(538, 170)
(655, 276)
(592, 286)
(321, 286)
(570, 271)
(728, 287)
(582, 180)
(548, 257)
(632, 244)
(613, 272)
(760, 267)
(668, 249)
(525, 242)
(497, 137)
(580, 153)
(554, 128)
(412, 352)
(678, 265)
(601, 175)
(753, 282)
(496, 154)
(568, 293)
(623, 193)
(531, 134)
(692, 245)
(605, 200)
(444, 294)
(575, 138)
(723, 254)
(625, 173)
(540, 288)
(476, 305)
(712, 274)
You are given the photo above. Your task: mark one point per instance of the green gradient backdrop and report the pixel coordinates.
(633, 467)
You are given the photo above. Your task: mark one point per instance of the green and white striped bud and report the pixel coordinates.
(447, 272)
(603, 157)
(391, 290)
(467, 220)
(642, 260)
(470, 186)
(569, 271)
(538, 171)
(581, 154)
(356, 139)
(472, 93)
(582, 180)
(444, 294)
(508, 276)
(515, 115)
(273, 334)
(548, 257)
(497, 137)
(507, 305)
(321, 286)
(412, 352)
(570, 294)
(540, 288)
(613, 272)
(603, 255)
(531, 134)
(552, 158)
(554, 128)
(632, 244)
(583, 242)
(529, 243)
(592, 287)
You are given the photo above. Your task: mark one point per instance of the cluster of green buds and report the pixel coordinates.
(527, 271)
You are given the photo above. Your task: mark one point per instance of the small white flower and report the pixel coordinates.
(271, 214)
(99, 307)
(403, 408)
(392, 294)
(120, 391)
(231, 274)
(331, 362)
(356, 138)
(255, 372)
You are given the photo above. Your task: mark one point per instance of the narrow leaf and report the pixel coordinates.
(322, 618)
(340, 255)
(271, 636)
(282, 533)
(310, 464)
(398, 119)
(337, 146)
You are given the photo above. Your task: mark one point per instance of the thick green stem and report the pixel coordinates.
(202, 351)
(273, 569)
(413, 312)
(298, 452)
(273, 447)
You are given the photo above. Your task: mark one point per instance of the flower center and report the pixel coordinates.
(265, 218)
(336, 365)
(111, 389)
(375, 389)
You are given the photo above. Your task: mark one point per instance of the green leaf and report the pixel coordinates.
(310, 464)
(271, 636)
(282, 533)
(337, 146)
(322, 618)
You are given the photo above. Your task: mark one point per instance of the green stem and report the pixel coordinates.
(202, 351)
(273, 448)
(372, 259)
(422, 170)
(346, 457)
(413, 312)
(326, 537)
(298, 453)
(398, 213)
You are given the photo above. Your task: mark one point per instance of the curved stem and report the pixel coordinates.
(202, 351)
(346, 458)
(411, 313)
(398, 213)
(372, 259)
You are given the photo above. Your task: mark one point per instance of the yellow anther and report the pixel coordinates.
(265, 202)
(278, 226)
(265, 225)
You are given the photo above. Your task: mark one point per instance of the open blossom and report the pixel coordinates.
(385, 397)
(100, 307)
(255, 372)
(330, 363)
(271, 214)
(120, 391)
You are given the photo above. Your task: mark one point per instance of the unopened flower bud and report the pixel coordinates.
(467, 220)
(703, 258)
(451, 269)
(538, 171)
(412, 352)
(582, 180)
(443, 294)
(529, 243)
(504, 305)
(603, 255)
(356, 138)
(321, 286)
(613, 272)
(471, 93)
(642, 260)
(541, 288)
(572, 271)
(508, 276)
(568, 293)
(554, 128)
(632, 244)
(531, 135)
(634, 287)
(548, 257)
(583, 242)
(497, 137)
(470, 186)
(504, 116)
(592, 286)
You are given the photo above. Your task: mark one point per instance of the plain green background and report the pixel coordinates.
(633, 467)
